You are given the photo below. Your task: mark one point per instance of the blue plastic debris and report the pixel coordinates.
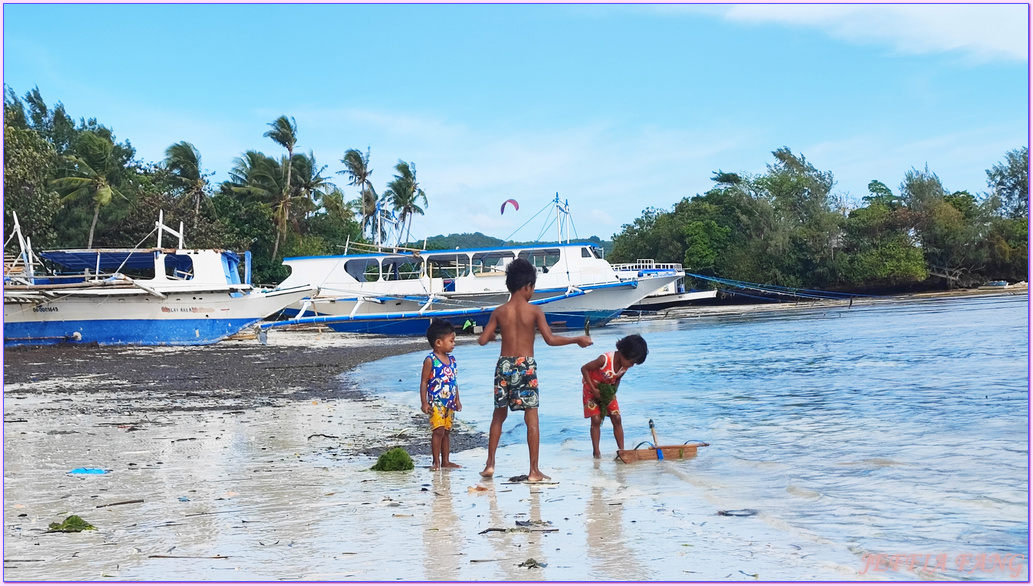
(88, 471)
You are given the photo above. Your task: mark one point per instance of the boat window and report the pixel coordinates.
(542, 258)
(363, 269)
(179, 266)
(492, 262)
(586, 252)
(401, 268)
(448, 266)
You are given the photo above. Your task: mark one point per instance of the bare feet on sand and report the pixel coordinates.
(537, 477)
(451, 465)
(488, 472)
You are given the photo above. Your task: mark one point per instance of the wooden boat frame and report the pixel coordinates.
(676, 452)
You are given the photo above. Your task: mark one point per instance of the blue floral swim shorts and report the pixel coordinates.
(516, 383)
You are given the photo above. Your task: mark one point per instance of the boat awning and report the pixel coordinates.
(80, 260)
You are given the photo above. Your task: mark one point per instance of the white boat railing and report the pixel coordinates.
(647, 264)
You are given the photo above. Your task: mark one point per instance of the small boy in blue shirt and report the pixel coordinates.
(439, 390)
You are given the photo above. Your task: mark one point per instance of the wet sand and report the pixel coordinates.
(247, 462)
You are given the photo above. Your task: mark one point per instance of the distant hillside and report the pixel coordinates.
(453, 241)
(478, 240)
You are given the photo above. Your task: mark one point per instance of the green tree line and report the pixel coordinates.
(786, 227)
(74, 184)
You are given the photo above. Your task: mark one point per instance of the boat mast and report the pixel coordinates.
(559, 226)
(561, 221)
(566, 218)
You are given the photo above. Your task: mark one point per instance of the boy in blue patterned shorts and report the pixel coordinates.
(439, 390)
(516, 376)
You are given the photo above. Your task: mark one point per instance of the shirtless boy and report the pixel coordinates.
(516, 374)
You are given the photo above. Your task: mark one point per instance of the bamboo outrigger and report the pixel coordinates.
(658, 452)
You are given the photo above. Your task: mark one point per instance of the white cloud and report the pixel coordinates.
(984, 32)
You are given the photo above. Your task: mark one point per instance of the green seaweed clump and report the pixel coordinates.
(72, 524)
(606, 394)
(393, 459)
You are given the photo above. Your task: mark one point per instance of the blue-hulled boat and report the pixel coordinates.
(154, 296)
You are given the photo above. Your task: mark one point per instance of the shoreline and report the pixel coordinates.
(726, 310)
(231, 376)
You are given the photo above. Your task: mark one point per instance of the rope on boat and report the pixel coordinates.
(547, 206)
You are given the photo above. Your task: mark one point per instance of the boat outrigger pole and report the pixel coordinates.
(323, 319)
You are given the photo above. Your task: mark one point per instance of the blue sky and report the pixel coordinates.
(615, 107)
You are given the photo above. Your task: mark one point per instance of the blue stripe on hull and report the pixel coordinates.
(185, 332)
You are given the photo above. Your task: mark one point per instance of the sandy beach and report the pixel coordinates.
(244, 461)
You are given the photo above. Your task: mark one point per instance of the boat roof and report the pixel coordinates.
(425, 253)
(111, 258)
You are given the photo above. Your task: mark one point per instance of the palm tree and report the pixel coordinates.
(359, 173)
(403, 193)
(309, 182)
(284, 132)
(184, 164)
(85, 175)
(245, 168)
(258, 178)
(335, 206)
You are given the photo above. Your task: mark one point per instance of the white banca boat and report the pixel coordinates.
(155, 296)
(672, 294)
(396, 292)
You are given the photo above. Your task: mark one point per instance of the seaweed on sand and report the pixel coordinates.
(393, 459)
(606, 394)
(73, 524)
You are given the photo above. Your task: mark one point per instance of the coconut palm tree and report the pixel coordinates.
(184, 164)
(284, 132)
(403, 193)
(335, 206)
(256, 178)
(358, 172)
(84, 175)
(309, 183)
(245, 168)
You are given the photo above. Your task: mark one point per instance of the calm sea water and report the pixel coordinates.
(892, 428)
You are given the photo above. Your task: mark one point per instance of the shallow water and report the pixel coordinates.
(893, 429)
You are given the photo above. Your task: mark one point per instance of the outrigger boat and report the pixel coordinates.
(672, 294)
(657, 452)
(366, 290)
(155, 296)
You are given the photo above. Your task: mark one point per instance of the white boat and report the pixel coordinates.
(672, 294)
(156, 296)
(393, 292)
